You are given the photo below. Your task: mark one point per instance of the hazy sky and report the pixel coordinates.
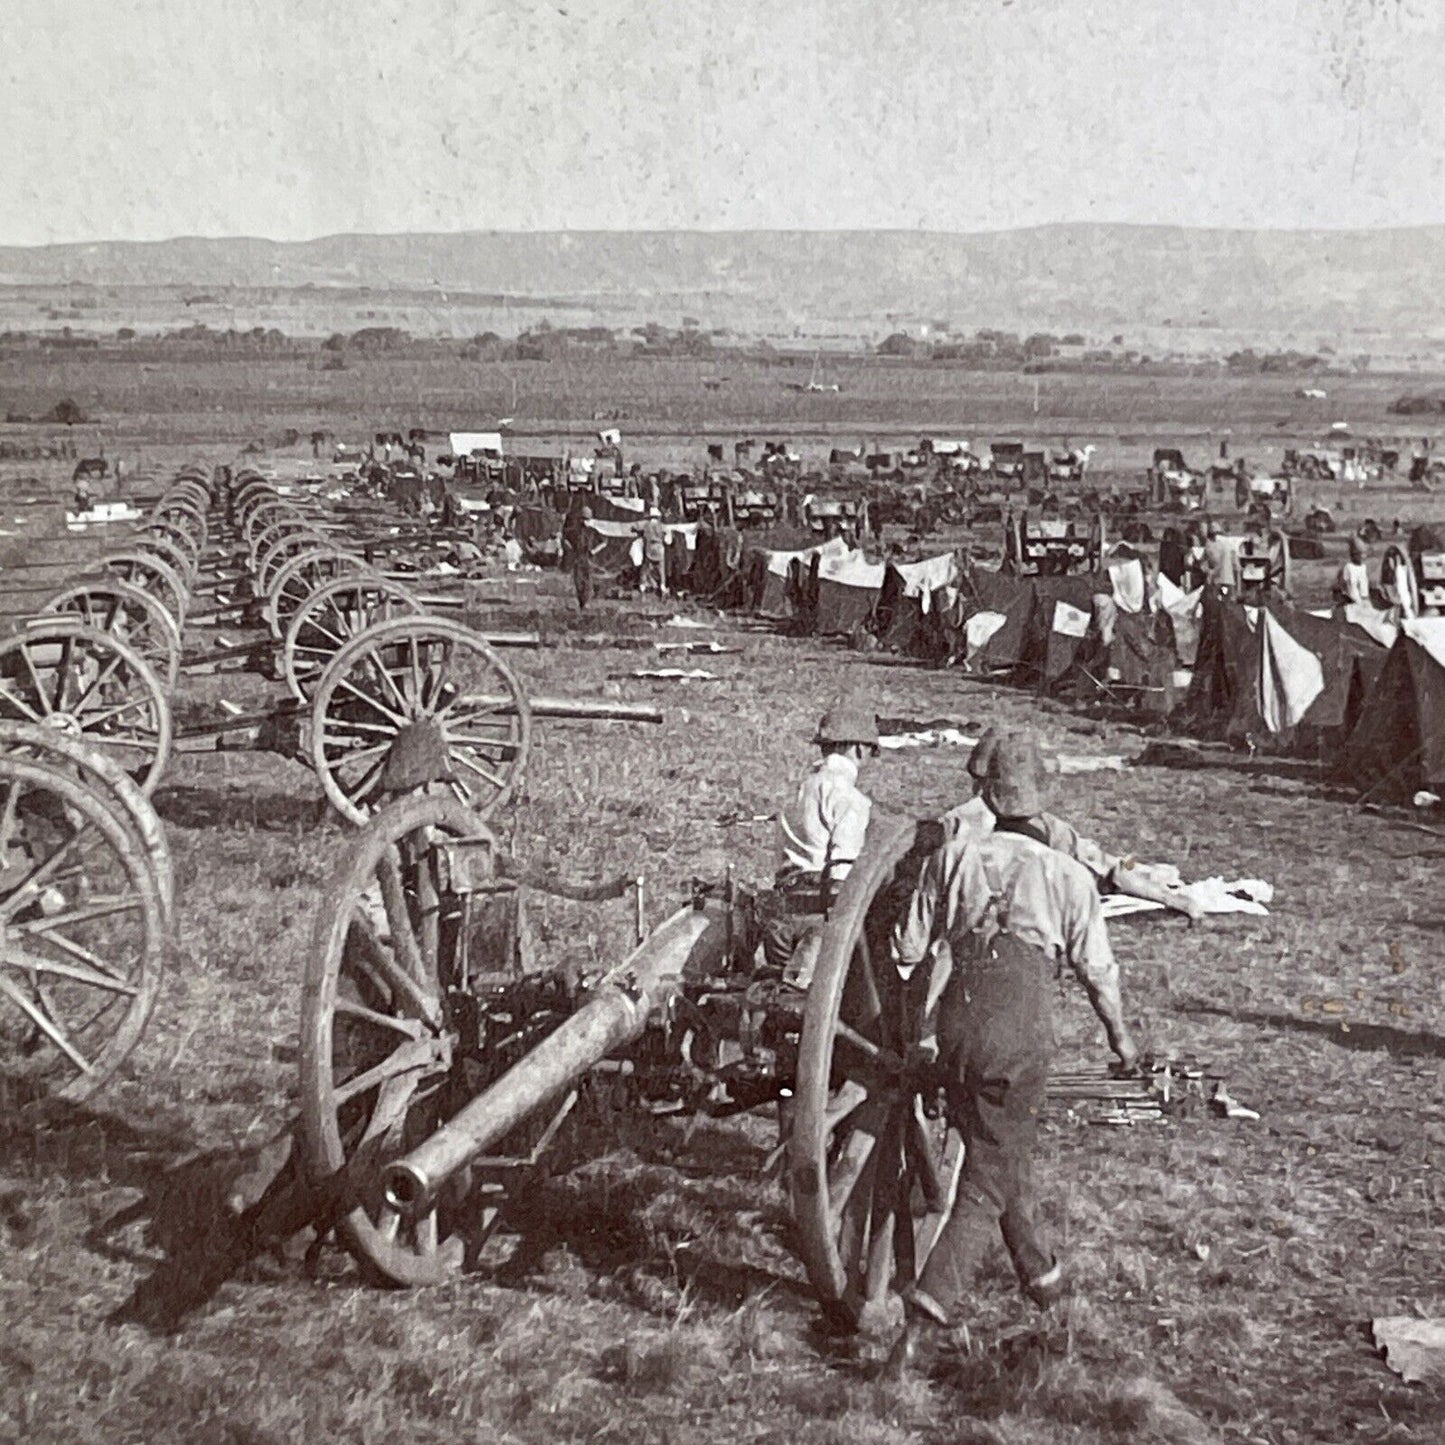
(294, 118)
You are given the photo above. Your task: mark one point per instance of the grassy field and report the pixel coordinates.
(139, 407)
(1227, 1271)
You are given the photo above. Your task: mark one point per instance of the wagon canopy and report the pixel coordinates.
(465, 443)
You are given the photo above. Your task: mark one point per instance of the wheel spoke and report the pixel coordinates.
(95, 719)
(920, 1154)
(360, 725)
(853, 1156)
(416, 1056)
(102, 675)
(845, 1101)
(408, 1028)
(26, 889)
(45, 1024)
(507, 745)
(69, 945)
(30, 714)
(370, 701)
(872, 999)
(884, 1057)
(39, 686)
(442, 676)
(76, 972)
(468, 760)
(397, 979)
(361, 755)
(380, 669)
(7, 819)
(359, 790)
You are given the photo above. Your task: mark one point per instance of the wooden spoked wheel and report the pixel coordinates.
(422, 686)
(300, 575)
(182, 528)
(871, 1176)
(154, 575)
(104, 777)
(281, 548)
(82, 933)
(330, 617)
(1098, 543)
(180, 511)
(138, 617)
(384, 1061)
(246, 498)
(273, 527)
(91, 685)
(160, 541)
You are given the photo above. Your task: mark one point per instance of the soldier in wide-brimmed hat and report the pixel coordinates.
(990, 918)
(820, 835)
(1112, 872)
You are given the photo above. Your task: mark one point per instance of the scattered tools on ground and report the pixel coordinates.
(1156, 1091)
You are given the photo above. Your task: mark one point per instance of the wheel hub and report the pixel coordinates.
(417, 757)
(63, 722)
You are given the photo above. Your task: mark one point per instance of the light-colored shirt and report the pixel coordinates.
(974, 820)
(1353, 583)
(972, 890)
(1221, 563)
(823, 828)
(654, 540)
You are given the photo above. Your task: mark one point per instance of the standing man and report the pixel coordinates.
(654, 553)
(992, 918)
(1221, 563)
(820, 834)
(583, 550)
(1352, 582)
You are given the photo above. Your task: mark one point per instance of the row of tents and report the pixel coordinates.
(1352, 687)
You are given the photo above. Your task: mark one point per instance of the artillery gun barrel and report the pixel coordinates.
(581, 709)
(693, 940)
(510, 639)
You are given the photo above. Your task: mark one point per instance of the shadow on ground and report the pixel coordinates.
(1360, 1037)
(186, 806)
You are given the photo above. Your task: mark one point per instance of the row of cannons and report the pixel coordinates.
(436, 1071)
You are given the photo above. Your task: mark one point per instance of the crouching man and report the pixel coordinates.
(979, 943)
(820, 835)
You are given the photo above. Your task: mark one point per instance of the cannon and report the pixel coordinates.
(436, 1074)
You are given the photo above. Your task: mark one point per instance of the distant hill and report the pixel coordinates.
(1064, 276)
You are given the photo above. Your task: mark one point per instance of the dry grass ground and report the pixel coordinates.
(1227, 1270)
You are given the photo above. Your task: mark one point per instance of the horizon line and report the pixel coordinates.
(1183, 227)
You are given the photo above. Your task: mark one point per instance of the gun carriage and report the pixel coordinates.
(1053, 546)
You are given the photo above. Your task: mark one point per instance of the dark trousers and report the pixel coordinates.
(995, 1041)
(786, 916)
(582, 581)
